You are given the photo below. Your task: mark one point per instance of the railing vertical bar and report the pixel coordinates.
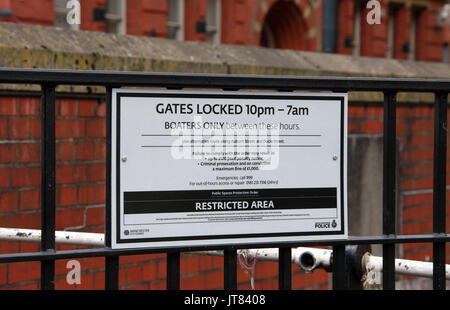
(230, 269)
(48, 197)
(108, 169)
(439, 188)
(111, 272)
(111, 262)
(284, 268)
(339, 269)
(173, 271)
(389, 162)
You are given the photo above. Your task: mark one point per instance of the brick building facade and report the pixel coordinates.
(408, 29)
(80, 124)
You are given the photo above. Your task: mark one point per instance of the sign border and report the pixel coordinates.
(115, 203)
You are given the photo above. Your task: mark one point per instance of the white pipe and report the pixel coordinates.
(308, 259)
(61, 237)
(373, 266)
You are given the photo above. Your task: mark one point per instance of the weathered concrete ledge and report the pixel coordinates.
(29, 46)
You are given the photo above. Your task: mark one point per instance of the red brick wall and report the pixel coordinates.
(429, 38)
(373, 36)
(87, 15)
(80, 174)
(402, 20)
(242, 22)
(194, 11)
(415, 133)
(345, 13)
(236, 22)
(26, 11)
(145, 16)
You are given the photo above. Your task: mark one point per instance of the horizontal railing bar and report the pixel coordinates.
(98, 252)
(171, 80)
(58, 95)
(374, 264)
(97, 239)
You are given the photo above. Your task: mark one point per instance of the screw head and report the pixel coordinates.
(124, 158)
(335, 157)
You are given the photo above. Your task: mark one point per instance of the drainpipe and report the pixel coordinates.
(329, 25)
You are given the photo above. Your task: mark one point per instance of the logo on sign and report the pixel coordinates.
(322, 225)
(325, 224)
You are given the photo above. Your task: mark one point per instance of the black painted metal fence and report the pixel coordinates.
(49, 79)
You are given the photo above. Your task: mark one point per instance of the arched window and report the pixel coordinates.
(284, 27)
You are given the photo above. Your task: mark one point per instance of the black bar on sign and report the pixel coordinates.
(389, 161)
(48, 197)
(228, 200)
(224, 193)
(439, 188)
(170, 206)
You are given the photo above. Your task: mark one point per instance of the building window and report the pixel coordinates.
(61, 11)
(267, 37)
(412, 35)
(175, 17)
(213, 21)
(284, 27)
(115, 16)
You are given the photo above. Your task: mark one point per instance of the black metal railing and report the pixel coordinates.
(49, 79)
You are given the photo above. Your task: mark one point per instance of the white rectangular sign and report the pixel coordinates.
(221, 168)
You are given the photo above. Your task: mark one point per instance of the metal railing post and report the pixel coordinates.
(111, 262)
(285, 268)
(230, 269)
(339, 268)
(173, 271)
(439, 187)
(48, 196)
(389, 162)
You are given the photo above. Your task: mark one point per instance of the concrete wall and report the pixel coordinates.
(30, 46)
